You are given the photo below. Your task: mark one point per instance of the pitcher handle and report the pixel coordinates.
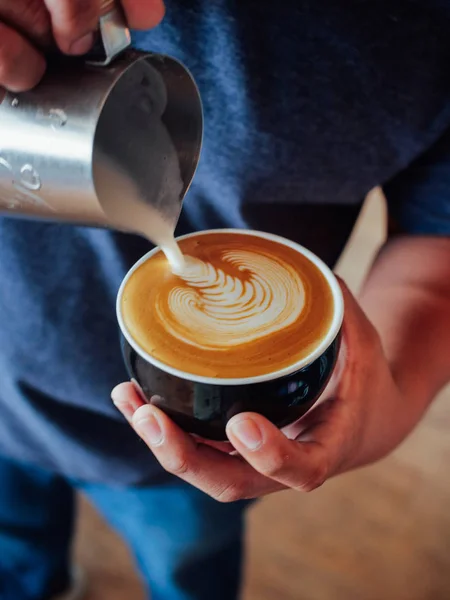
(113, 35)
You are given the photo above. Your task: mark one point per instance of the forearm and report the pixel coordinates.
(407, 298)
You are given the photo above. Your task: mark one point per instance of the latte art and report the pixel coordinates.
(219, 310)
(243, 306)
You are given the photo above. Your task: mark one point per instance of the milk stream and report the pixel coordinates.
(136, 165)
(129, 211)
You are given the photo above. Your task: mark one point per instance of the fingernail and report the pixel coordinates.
(149, 429)
(83, 45)
(121, 401)
(248, 433)
(117, 396)
(122, 397)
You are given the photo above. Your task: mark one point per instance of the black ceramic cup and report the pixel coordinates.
(203, 405)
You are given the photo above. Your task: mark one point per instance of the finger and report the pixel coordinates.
(31, 19)
(225, 478)
(143, 15)
(127, 399)
(21, 65)
(74, 23)
(336, 425)
(300, 466)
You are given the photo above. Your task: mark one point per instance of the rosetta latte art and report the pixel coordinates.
(242, 306)
(212, 309)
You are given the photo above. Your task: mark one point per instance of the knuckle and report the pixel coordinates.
(177, 466)
(316, 479)
(230, 493)
(277, 464)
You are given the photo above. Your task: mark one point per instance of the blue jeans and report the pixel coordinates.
(186, 545)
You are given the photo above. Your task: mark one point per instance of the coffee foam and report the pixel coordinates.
(217, 310)
(243, 306)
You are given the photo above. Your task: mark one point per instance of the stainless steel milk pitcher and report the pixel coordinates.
(67, 146)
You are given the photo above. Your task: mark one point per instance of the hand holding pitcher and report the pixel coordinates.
(29, 28)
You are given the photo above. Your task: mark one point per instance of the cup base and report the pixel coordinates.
(204, 409)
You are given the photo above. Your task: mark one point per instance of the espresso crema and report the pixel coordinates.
(244, 306)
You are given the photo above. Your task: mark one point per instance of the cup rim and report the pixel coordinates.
(325, 343)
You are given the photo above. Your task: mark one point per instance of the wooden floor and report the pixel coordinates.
(382, 533)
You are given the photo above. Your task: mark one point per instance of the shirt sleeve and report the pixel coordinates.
(419, 197)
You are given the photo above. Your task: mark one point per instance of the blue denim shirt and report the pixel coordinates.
(308, 105)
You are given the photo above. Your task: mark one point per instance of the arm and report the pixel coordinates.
(407, 298)
(411, 276)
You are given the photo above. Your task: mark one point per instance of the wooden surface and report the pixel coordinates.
(379, 533)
